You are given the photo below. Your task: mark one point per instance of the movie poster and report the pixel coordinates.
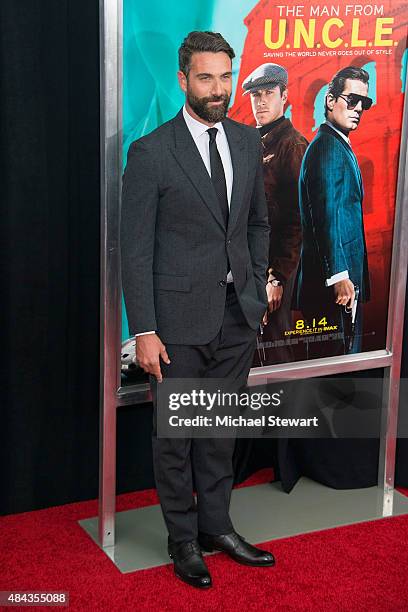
(330, 162)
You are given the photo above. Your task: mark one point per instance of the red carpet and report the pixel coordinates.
(359, 567)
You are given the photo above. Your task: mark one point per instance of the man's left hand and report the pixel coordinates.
(274, 300)
(274, 296)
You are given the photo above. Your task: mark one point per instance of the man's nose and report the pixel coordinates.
(359, 107)
(217, 88)
(261, 100)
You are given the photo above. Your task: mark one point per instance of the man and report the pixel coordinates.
(283, 150)
(334, 256)
(194, 258)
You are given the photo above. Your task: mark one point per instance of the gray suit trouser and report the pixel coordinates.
(179, 464)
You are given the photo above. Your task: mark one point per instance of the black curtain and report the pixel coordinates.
(50, 234)
(49, 163)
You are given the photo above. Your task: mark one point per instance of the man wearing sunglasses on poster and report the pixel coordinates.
(333, 269)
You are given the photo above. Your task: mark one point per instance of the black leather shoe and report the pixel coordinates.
(189, 564)
(235, 546)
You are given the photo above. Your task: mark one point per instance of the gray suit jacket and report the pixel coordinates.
(174, 244)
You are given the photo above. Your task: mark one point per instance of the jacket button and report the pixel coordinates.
(222, 283)
(228, 241)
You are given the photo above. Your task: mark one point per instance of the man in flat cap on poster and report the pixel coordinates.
(283, 150)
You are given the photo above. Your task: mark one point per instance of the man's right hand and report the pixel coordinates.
(344, 293)
(149, 349)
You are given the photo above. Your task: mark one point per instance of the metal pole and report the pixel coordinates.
(395, 329)
(110, 303)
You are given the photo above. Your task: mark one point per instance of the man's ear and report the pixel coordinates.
(182, 79)
(330, 100)
(285, 96)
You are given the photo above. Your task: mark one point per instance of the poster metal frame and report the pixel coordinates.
(114, 395)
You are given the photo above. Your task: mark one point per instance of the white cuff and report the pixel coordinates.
(145, 333)
(337, 277)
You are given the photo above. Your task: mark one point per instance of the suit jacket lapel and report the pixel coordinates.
(328, 130)
(357, 170)
(189, 158)
(239, 157)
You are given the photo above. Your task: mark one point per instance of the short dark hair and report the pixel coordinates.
(199, 42)
(282, 87)
(336, 85)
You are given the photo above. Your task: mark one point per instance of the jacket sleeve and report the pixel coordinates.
(327, 183)
(258, 225)
(284, 260)
(140, 198)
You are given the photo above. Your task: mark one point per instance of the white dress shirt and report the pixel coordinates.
(201, 138)
(340, 275)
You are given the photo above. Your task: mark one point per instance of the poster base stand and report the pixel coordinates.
(260, 513)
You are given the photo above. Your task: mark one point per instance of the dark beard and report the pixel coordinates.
(209, 114)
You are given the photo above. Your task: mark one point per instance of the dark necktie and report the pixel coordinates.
(217, 175)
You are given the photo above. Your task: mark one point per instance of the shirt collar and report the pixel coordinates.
(197, 128)
(346, 138)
